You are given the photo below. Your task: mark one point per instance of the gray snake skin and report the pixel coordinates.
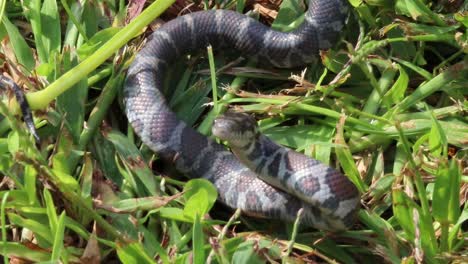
(330, 198)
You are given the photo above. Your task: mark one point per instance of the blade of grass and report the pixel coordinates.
(58, 246)
(22, 51)
(435, 84)
(51, 34)
(198, 241)
(293, 236)
(4, 226)
(214, 87)
(421, 191)
(33, 14)
(51, 214)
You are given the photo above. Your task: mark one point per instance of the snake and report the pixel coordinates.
(275, 182)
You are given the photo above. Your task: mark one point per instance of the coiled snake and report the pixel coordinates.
(328, 198)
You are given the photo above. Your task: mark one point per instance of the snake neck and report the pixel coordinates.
(262, 156)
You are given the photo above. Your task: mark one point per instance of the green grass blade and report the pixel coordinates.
(51, 32)
(133, 253)
(23, 52)
(198, 241)
(51, 214)
(33, 14)
(4, 226)
(58, 246)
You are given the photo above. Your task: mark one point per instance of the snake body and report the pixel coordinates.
(332, 198)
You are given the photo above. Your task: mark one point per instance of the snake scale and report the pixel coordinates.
(330, 198)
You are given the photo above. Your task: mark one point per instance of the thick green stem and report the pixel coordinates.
(40, 99)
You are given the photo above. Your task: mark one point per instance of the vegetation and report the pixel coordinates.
(387, 105)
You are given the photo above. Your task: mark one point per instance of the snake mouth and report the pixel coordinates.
(226, 129)
(236, 128)
(222, 129)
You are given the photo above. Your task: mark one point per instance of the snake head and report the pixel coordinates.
(238, 129)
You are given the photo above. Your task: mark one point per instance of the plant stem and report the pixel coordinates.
(40, 99)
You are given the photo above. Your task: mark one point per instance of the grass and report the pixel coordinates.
(387, 105)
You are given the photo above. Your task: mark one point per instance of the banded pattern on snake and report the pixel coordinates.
(330, 198)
